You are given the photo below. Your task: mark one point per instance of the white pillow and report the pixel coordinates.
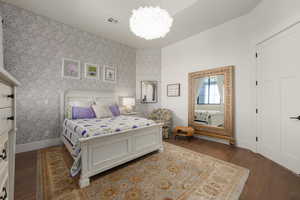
(101, 110)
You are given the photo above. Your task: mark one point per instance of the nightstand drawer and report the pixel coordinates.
(132, 114)
(6, 98)
(6, 120)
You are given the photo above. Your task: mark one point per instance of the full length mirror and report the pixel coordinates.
(211, 103)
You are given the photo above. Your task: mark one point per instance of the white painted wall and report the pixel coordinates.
(148, 68)
(232, 43)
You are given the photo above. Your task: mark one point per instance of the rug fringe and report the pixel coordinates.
(239, 189)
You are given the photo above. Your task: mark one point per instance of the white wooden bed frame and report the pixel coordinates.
(101, 153)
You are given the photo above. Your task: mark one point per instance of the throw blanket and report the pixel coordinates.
(85, 128)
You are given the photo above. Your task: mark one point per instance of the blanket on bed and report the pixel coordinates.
(73, 130)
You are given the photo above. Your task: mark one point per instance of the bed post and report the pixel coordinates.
(62, 112)
(84, 180)
(161, 149)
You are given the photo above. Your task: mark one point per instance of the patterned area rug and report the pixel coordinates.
(175, 174)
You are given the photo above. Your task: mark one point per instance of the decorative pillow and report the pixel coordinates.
(83, 113)
(114, 109)
(68, 110)
(101, 110)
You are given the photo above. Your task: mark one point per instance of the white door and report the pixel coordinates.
(279, 98)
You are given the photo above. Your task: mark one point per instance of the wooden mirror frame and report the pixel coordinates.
(226, 132)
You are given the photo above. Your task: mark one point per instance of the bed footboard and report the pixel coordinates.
(103, 153)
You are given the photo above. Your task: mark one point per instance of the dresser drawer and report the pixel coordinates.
(5, 99)
(3, 149)
(4, 181)
(5, 122)
(4, 191)
(3, 139)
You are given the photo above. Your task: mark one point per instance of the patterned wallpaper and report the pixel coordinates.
(148, 67)
(33, 50)
(1, 44)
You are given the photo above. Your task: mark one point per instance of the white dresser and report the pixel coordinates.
(7, 134)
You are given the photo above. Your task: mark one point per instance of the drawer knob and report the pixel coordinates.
(11, 118)
(3, 197)
(3, 155)
(10, 96)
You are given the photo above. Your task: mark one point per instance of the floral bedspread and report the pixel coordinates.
(73, 130)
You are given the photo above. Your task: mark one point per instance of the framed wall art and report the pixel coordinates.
(173, 90)
(91, 71)
(110, 74)
(70, 68)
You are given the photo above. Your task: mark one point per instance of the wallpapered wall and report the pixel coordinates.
(1, 44)
(33, 50)
(148, 67)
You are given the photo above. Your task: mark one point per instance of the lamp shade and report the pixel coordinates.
(128, 101)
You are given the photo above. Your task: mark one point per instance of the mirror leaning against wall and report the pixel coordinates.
(211, 103)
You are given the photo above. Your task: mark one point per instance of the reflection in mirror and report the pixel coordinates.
(149, 92)
(209, 101)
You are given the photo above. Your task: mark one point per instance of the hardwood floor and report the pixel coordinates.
(267, 180)
(26, 176)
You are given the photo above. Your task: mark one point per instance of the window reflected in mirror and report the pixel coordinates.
(209, 102)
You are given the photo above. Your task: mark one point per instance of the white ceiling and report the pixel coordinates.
(190, 16)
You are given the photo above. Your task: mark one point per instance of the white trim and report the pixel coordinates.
(282, 30)
(4, 75)
(37, 145)
(212, 139)
(239, 143)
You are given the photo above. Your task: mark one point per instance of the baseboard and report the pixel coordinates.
(239, 143)
(246, 145)
(37, 145)
(212, 139)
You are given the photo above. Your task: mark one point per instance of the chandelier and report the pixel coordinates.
(150, 22)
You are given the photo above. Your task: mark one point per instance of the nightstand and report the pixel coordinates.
(133, 114)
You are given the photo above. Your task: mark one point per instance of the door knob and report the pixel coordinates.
(295, 117)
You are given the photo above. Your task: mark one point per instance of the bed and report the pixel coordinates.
(97, 145)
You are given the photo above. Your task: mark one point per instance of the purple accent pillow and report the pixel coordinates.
(83, 113)
(115, 111)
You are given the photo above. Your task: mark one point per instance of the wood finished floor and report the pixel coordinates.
(267, 180)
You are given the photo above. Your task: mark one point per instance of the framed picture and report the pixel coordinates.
(91, 71)
(70, 68)
(173, 90)
(109, 74)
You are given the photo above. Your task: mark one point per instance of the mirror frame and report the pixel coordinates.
(226, 132)
(156, 92)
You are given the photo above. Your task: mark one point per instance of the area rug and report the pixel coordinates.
(175, 174)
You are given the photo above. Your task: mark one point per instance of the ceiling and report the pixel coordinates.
(190, 16)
